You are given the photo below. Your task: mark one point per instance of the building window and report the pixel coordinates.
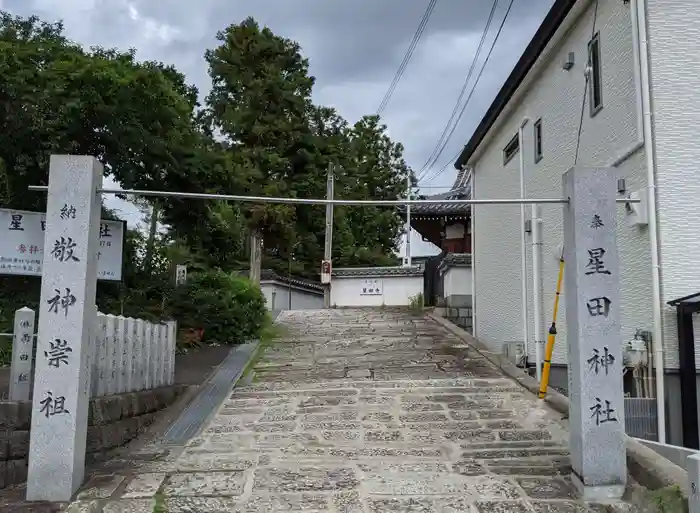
(538, 140)
(511, 149)
(595, 79)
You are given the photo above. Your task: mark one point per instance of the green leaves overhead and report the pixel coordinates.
(261, 104)
(257, 132)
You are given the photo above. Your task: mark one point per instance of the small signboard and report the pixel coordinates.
(325, 272)
(22, 244)
(180, 275)
(371, 288)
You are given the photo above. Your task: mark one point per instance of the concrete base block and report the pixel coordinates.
(459, 301)
(597, 493)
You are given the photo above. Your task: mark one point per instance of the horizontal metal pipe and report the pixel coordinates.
(314, 201)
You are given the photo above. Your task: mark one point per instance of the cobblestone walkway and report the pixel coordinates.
(359, 411)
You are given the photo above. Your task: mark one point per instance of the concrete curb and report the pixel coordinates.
(645, 465)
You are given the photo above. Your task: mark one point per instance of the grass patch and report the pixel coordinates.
(416, 303)
(159, 506)
(668, 500)
(269, 333)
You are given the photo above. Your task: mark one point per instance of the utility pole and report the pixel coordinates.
(328, 250)
(255, 256)
(408, 220)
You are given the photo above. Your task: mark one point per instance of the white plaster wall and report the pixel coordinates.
(301, 298)
(675, 81)
(396, 291)
(457, 281)
(556, 96)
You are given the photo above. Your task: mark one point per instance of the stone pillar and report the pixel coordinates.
(100, 364)
(112, 355)
(137, 354)
(592, 294)
(66, 322)
(134, 338)
(155, 349)
(121, 341)
(172, 343)
(162, 348)
(692, 465)
(22, 348)
(145, 354)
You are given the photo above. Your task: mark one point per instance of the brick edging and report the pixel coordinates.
(645, 465)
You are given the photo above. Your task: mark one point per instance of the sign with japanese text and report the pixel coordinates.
(22, 244)
(180, 274)
(592, 295)
(371, 288)
(325, 272)
(74, 236)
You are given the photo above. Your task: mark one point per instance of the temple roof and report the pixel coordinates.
(461, 189)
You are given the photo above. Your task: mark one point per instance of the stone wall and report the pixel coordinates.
(458, 309)
(113, 421)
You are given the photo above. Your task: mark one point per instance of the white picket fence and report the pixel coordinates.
(126, 355)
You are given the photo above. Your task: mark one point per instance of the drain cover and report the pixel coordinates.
(210, 396)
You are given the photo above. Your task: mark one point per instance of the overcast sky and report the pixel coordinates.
(354, 47)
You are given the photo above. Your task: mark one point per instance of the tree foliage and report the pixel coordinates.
(283, 143)
(257, 132)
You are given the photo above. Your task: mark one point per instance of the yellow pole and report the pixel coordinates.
(552, 332)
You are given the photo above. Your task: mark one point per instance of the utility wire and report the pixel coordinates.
(430, 161)
(585, 87)
(407, 57)
(471, 93)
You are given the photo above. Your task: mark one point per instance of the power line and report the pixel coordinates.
(429, 161)
(464, 107)
(585, 87)
(409, 53)
(471, 93)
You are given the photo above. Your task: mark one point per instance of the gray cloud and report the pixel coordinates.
(354, 49)
(348, 40)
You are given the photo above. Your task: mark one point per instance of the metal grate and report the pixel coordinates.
(641, 418)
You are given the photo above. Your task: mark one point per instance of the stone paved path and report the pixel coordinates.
(359, 411)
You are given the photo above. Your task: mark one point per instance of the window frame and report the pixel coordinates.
(596, 76)
(538, 144)
(515, 140)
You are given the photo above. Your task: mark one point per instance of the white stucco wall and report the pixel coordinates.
(396, 291)
(555, 96)
(457, 281)
(675, 82)
(277, 297)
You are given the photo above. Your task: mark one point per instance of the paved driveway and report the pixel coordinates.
(365, 411)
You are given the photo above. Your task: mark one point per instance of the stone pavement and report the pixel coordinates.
(358, 411)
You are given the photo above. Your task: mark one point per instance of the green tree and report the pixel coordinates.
(138, 118)
(260, 96)
(261, 103)
(375, 169)
(55, 97)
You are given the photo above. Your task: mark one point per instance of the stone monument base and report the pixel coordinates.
(597, 493)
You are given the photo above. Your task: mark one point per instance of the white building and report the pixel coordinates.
(641, 54)
(290, 293)
(376, 286)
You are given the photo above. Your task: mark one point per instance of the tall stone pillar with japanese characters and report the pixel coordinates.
(592, 295)
(66, 320)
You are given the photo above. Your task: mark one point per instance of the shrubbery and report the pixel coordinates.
(230, 308)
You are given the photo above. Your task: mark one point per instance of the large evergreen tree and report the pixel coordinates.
(261, 103)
